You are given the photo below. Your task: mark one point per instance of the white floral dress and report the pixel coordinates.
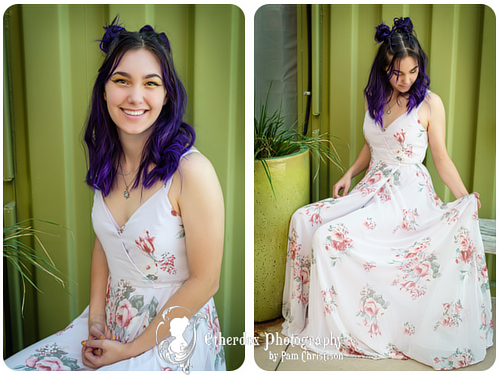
(147, 263)
(390, 271)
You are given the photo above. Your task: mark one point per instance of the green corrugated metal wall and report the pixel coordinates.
(460, 43)
(52, 61)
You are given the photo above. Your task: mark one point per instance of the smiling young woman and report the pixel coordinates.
(158, 216)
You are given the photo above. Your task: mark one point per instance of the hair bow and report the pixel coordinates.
(382, 32)
(111, 32)
(403, 24)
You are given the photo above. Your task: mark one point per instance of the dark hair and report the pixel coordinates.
(170, 136)
(397, 44)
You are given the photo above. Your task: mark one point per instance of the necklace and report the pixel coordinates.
(389, 111)
(126, 193)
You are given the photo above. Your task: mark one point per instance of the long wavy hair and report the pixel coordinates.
(170, 136)
(396, 44)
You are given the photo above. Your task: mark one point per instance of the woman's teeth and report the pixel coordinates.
(133, 113)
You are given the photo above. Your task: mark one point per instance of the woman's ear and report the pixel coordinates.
(104, 95)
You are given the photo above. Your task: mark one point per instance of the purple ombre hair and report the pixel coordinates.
(171, 136)
(397, 43)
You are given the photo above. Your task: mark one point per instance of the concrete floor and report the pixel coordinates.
(289, 358)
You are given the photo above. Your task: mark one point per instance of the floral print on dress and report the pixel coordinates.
(409, 220)
(422, 174)
(452, 315)
(339, 241)
(371, 306)
(375, 174)
(408, 329)
(349, 346)
(313, 211)
(394, 353)
(50, 357)
(127, 313)
(461, 358)
(486, 328)
(367, 266)
(214, 329)
(369, 223)
(451, 216)
(466, 256)
(417, 268)
(301, 268)
(406, 150)
(166, 263)
(329, 299)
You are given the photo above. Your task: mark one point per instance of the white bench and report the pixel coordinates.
(489, 234)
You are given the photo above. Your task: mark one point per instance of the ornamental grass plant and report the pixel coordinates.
(273, 139)
(24, 257)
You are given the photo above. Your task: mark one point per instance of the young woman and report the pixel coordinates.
(389, 270)
(158, 218)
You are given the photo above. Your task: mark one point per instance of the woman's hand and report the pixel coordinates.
(478, 201)
(97, 353)
(343, 183)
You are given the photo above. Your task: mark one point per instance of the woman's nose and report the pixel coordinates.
(135, 95)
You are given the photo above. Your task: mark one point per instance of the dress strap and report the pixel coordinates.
(190, 151)
(422, 102)
(167, 184)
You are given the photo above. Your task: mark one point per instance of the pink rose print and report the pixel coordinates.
(456, 360)
(124, 313)
(452, 315)
(313, 211)
(339, 241)
(301, 278)
(465, 246)
(367, 266)
(368, 223)
(400, 136)
(417, 268)
(146, 243)
(329, 300)
(31, 361)
(371, 307)
(409, 220)
(50, 357)
(408, 329)
(293, 245)
(50, 364)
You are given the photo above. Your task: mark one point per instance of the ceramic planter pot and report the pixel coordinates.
(290, 179)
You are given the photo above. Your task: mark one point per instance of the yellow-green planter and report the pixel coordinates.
(290, 179)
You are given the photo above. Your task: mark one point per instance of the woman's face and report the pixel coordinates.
(404, 75)
(135, 93)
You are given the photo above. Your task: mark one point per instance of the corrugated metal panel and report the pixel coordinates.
(54, 62)
(460, 43)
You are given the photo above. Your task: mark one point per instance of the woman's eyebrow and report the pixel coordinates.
(125, 74)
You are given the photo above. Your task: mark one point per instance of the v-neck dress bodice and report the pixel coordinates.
(149, 251)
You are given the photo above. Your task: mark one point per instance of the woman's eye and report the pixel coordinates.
(120, 81)
(152, 83)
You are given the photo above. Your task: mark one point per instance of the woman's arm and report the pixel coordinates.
(201, 207)
(361, 163)
(98, 281)
(437, 142)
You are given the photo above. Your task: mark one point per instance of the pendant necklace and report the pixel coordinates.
(126, 193)
(389, 111)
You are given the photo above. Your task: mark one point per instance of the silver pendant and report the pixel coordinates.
(388, 111)
(126, 194)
